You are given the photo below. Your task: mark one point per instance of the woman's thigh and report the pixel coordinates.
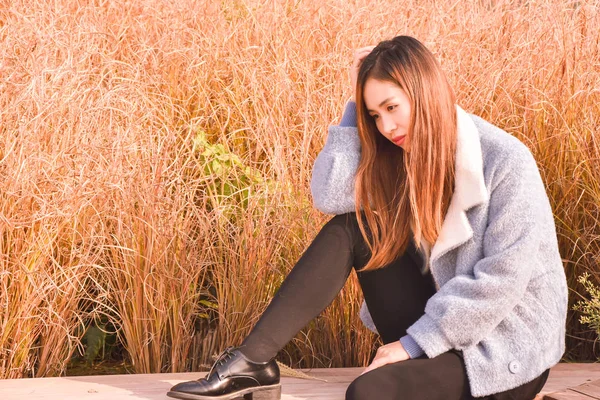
(443, 377)
(527, 391)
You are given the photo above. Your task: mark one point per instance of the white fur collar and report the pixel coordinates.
(469, 187)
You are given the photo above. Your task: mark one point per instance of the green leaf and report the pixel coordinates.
(95, 339)
(209, 304)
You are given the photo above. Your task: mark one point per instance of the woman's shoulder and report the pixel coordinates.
(497, 145)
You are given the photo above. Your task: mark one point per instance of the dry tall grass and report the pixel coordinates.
(110, 207)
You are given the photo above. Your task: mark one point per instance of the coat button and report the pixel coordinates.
(514, 366)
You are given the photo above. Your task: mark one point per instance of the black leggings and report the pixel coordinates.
(396, 296)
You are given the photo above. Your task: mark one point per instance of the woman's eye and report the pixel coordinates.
(375, 116)
(390, 108)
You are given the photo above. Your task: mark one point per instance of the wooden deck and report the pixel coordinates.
(582, 379)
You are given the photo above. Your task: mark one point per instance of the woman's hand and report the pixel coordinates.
(386, 354)
(359, 55)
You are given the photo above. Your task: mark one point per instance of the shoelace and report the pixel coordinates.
(223, 357)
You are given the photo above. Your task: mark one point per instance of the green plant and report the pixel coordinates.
(95, 340)
(227, 182)
(589, 308)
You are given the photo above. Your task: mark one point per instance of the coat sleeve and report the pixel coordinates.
(334, 170)
(469, 307)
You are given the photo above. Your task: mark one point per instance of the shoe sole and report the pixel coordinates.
(272, 392)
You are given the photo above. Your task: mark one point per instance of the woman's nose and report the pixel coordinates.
(388, 125)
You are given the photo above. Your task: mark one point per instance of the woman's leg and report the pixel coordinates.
(526, 391)
(309, 288)
(313, 283)
(442, 378)
(396, 295)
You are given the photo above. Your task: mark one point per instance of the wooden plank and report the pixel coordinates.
(565, 375)
(149, 386)
(566, 395)
(588, 391)
(332, 385)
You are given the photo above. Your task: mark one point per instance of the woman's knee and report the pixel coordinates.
(360, 389)
(343, 219)
(350, 222)
(344, 222)
(381, 383)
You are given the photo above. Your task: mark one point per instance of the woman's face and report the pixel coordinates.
(389, 106)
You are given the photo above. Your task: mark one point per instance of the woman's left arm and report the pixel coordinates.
(468, 307)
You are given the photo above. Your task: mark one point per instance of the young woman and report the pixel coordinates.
(447, 223)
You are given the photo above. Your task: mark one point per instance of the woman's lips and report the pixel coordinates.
(399, 140)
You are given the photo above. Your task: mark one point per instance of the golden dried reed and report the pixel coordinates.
(109, 210)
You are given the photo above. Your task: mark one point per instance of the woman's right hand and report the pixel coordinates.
(359, 55)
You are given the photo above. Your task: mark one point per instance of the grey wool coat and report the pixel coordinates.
(502, 291)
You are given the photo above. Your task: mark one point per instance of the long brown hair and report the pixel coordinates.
(405, 194)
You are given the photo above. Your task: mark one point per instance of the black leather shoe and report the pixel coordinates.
(233, 376)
